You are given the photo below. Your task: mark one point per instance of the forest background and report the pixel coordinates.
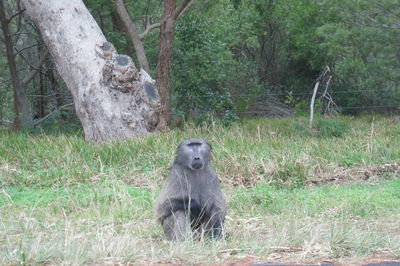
(236, 58)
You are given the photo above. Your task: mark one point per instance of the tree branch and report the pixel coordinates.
(312, 103)
(148, 29)
(16, 14)
(133, 34)
(182, 8)
(19, 21)
(175, 15)
(25, 48)
(36, 123)
(33, 73)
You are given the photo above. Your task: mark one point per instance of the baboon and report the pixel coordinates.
(191, 197)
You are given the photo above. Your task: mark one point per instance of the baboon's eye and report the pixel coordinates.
(194, 144)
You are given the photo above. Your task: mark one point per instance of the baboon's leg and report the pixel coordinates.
(217, 228)
(176, 226)
(213, 225)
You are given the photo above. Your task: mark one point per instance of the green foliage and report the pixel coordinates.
(201, 68)
(362, 43)
(228, 54)
(357, 39)
(286, 33)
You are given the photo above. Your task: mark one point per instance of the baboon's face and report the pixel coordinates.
(194, 153)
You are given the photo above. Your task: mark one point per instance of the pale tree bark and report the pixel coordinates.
(22, 110)
(113, 100)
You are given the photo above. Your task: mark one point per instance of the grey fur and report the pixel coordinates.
(191, 196)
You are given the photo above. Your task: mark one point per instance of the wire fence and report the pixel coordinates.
(243, 94)
(68, 104)
(67, 97)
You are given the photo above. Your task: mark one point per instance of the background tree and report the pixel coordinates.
(22, 107)
(167, 31)
(112, 98)
(22, 111)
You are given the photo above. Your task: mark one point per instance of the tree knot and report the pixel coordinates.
(119, 71)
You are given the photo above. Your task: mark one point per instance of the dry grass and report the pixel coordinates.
(64, 201)
(81, 232)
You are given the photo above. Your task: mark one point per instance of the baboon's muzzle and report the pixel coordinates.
(197, 163)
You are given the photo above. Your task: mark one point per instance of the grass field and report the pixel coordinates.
(294, 194)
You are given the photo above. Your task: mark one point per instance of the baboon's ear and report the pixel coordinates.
(209, 145)
(179, 146)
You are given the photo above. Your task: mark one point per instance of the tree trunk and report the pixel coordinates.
(22, 111)
(112, 99)
(167, 31)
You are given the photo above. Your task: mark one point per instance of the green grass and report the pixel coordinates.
(65, 201)
(370, 201)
